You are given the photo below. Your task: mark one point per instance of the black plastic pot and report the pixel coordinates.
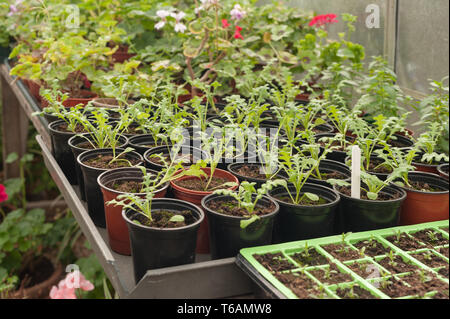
(92, 190)
(360, 215)
(232, 168)
(74, 143)
(141, 143)
(61, 151)
(329, 166)
(400, 141)
(335, 155)
(153, 248)
(246, 157)
(443, 170)
(297, 222)
(225, 232)
(381, 176)
(165, 150)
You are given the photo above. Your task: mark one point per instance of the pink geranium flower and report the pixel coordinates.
(3, 194)
(66, 287)
(323, 19)
(225, 23)
(237, 33)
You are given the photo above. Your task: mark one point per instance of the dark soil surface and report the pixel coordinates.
(425, 187)
(357, 293)
(252, 171)
(346, 190)
(362, 268)
(443, 251)
(36, 271)
(304, 202)
(432, 283)
(103, 162)
(302, 286)
(274, 262)
(375, 167)
(126, 186)
(186, 160)
(231, 207)
(342, 253)
(325, 174)
(445, 229)
(372, 247)
(397, 266)
(443, 272)
(430, 259)
(430, 237)
(312, 258)
(331, 275)
(78, 129)
(86, 146)
(160, 219)
(199, 184)
(405, 242)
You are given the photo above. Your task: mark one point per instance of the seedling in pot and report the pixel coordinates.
(151, 184)
(247, 197)
(118, 158)
(298, 169)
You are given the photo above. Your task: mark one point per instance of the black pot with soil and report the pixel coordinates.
(95, 162)
(187, 154)
(60, 136)
(363, 214)
(250, 172)
(339, 154)
(162, 243)
(142, 143)
(308, 220)
(443, 170)
(330, 170)
(85, 142)
(376, 167)
(227, 236)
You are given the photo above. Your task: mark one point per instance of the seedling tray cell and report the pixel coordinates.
(314, 264)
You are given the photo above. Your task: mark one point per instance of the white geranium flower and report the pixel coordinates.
(237, 13)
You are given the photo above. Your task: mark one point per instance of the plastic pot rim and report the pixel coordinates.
(324, 188)
(87, 153)
(202, 193)
(211, 197)
(367, 201)
(118, 170)
(70, 142)
(426, 174)
(194, 207)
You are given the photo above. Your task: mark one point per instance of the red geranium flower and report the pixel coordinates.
(225, 23)
(3, 195)
(237, 33)
(323, 19)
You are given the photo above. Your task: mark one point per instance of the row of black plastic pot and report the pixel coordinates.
(216, 233)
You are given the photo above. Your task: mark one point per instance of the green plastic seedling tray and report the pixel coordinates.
(369, 280)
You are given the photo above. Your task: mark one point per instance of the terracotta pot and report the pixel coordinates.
(423, 207)
(195, 197)
(427, 168)
(87, 96)
(41, 290)
(443, 170)
(119, 239)
(34, 88)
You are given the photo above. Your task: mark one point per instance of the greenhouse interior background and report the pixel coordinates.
(54, 246)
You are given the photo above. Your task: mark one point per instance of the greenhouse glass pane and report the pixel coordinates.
(422, 42)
